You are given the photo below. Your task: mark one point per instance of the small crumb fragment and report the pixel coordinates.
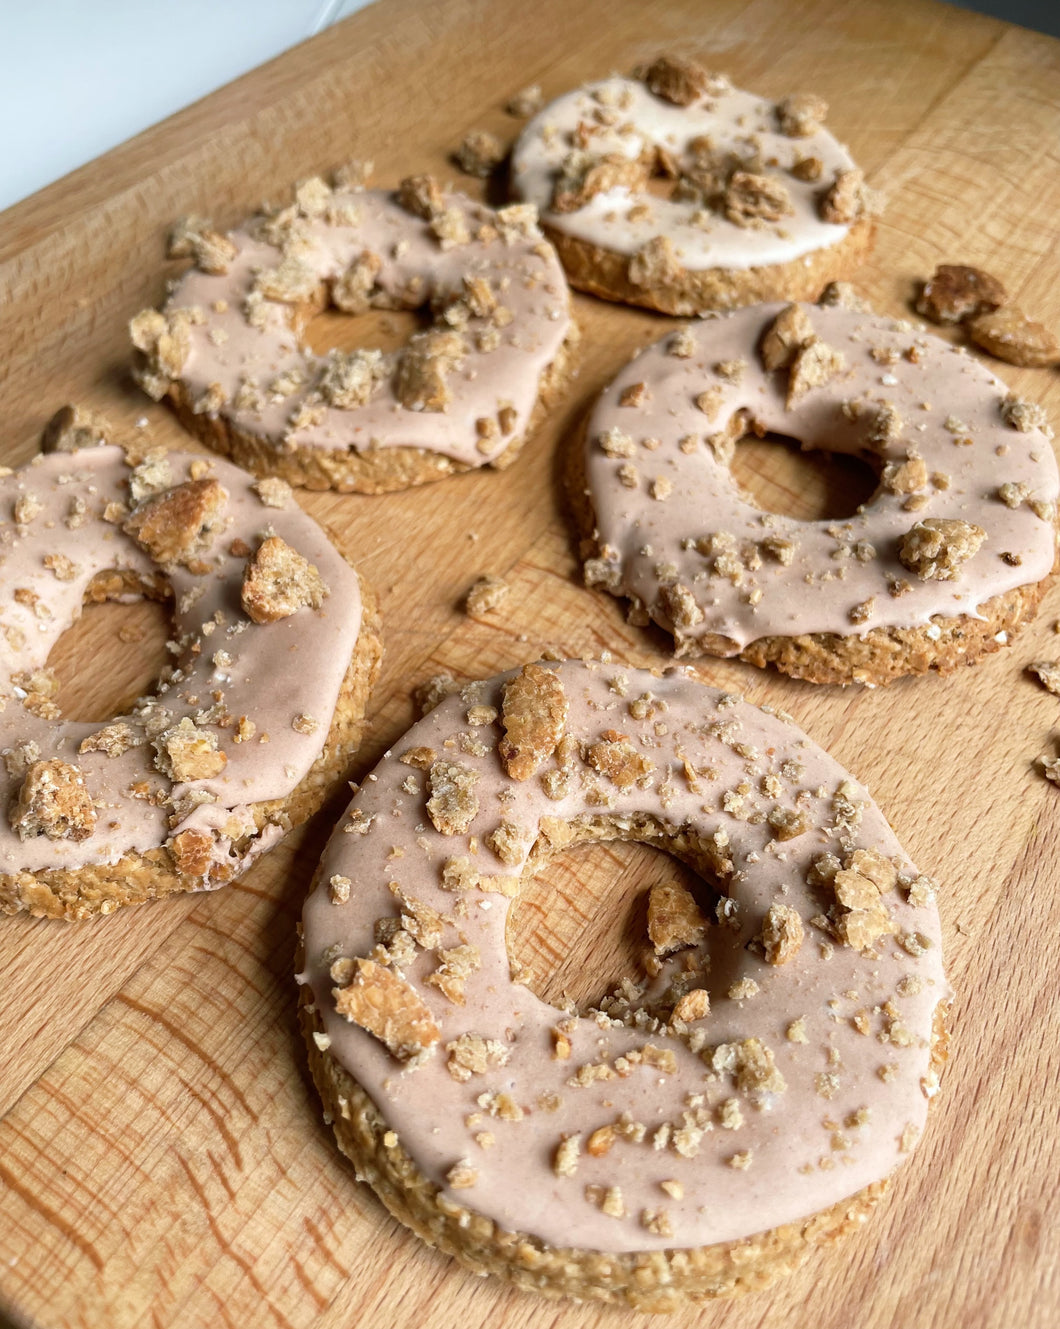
(453, 804)
(936, 548)
(53, 801)
(674, 920)
(381, 1002)
(957, 292)
(278, 582)
(479, 153)
(781, 934)
(534, 716)
(487, 593)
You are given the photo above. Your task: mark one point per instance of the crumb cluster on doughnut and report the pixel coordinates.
(274, 646)
(742, 1099)
(943, 563)
(761, 202)
(463, 392)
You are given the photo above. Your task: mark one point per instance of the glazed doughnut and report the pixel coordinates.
(463, 393)
(275, 643)
(703, 1128)
(765, 204)
(942, 564)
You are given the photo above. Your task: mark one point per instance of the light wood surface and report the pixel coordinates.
(162, 1160)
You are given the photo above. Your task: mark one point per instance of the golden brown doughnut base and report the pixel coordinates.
(877, 658)
(101, 888)
(643, 1280)
(605, 273)
(373, 470)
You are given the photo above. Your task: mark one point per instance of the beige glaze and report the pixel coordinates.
(803, 1155)
(950, 410)
(521, 268)
(224, 665)
(737, 122)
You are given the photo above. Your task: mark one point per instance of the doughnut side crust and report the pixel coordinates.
(606, 273)
(650, 1281)
(102, 888)
(875, 659)
(372, 470)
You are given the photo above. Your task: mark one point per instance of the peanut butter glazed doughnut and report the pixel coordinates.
(709, 1124)
(764, 203)
(944, 562)
(465, 392)
(276, 646)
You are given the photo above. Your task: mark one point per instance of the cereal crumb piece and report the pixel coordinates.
(796, 1031)
(471, 1054)
(957, 292)
(435, 690)
(382, 1003)
(785, 336)
(801, 115)
(479, 153)
(339, 888)
(350, 379)
(677, 80)
(273, 492)
(781, 934)
(661, 488)
(674, 920)
(615, 757)
(305, 724)
(936, 548)
(788, 823)
(421, 195)
(680, 606)
(54, 802)
(1050, 768)
(534, 716)
(185, 753)
(692, 1006)
(180, 524)
(113, 739)
(487, 593)
(815, 364)
(565, 1159)
(583, 177)
(63, 568)
(455, 967)
(841, 295)
(1025, 416)
(509, 842)
(195, 238)
(422, 379)
(742, 1160)
(74, 427)
(1009, 335)
(453, 804)
(846, 200)
(527, 102)
(192, 852)
(462, 1176)
(1048, 674)
(278, 582)
(750, 198)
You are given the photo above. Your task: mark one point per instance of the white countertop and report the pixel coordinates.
(78, 77)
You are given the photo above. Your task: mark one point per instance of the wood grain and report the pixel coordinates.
(162, 1161)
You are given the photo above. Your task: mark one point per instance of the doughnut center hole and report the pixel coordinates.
(113, 654)
(378, 330)
(579, 925)
(776, 475)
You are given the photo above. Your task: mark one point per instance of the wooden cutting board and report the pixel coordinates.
(162, 1159)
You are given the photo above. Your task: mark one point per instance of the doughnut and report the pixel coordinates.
(275, 646)
(764, 203)
(465, 391)
(704, 1127)
(940, 566)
